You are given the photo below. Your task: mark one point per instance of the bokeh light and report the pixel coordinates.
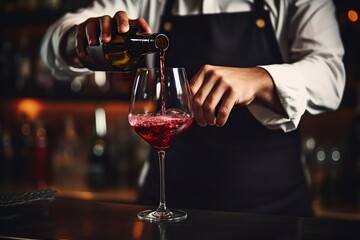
(353, 15)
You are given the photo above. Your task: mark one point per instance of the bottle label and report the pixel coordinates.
(97, 60)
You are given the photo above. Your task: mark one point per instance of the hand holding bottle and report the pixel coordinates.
(98, 29)
(95, 32)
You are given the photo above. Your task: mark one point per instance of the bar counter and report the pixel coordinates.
(84, 219)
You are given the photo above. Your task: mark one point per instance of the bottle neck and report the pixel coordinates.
(143, 44)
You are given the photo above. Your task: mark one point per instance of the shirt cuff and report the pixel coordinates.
(291, 91)
(62, 69)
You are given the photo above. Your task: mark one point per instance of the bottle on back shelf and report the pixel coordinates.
(6, 155)
(99, 154)
(69, 158)
(23, 146)
(40, 159)
(7, 66)
(24, 65)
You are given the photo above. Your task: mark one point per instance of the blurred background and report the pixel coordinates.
(73, 136)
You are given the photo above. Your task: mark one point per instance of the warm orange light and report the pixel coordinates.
(137, 229)
(30, 108)
(353, 15)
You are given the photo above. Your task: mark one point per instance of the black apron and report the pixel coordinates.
(242, 166)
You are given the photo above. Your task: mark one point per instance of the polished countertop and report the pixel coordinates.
(84, 219)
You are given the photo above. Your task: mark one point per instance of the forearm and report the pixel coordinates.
(312, 78)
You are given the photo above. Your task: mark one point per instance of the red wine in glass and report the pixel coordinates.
(161, 130)
(160, 113)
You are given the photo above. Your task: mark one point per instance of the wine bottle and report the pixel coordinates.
(41, 155)
(8, 68)
(99, 159)
(125, 52)
(23, 146)
(24, 65)
(7, 155)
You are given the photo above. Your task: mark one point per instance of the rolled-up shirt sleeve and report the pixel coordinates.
(313, 79)
(50, 53)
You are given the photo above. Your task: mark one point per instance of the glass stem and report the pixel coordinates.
(162, 205)
(162, 230)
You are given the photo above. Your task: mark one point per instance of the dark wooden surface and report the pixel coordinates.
(83, 219)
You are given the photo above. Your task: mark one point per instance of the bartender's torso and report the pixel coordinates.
(242, 166)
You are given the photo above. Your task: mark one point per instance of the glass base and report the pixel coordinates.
(168, 216)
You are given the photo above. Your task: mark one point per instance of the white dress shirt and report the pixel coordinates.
(312, 78)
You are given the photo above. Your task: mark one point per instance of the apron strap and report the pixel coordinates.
(168, 7)
(259, 5)
(259, 8)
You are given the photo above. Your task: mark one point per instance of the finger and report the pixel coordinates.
(225, 108)
(142, 24)
(92, 31)
(194, 85)
(211, 102)
(198, 112)
(197, 103)
(105, 28)
(206, 82)
(80, 41)
(197, 80)
(122, 21)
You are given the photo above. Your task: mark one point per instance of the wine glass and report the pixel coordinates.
(160, 113)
